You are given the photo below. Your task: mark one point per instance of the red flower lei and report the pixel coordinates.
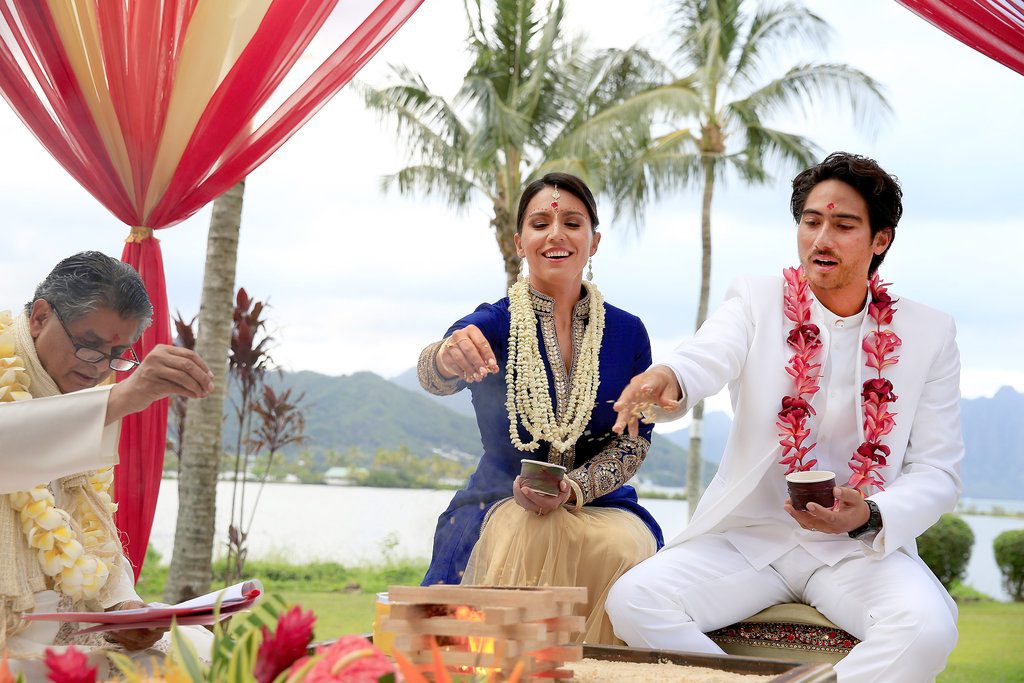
(879, 346)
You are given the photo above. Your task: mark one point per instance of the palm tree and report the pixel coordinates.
(531, 102)
(191, 571)
(720, 66)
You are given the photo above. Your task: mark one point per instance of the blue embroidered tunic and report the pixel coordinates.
(600, 462)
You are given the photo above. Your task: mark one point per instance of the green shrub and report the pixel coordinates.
(1009, 547)
(946, 548)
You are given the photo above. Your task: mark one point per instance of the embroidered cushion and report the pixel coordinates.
(787, 631)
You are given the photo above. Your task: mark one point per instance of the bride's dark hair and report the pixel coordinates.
(564, 181)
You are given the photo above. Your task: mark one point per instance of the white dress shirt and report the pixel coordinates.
(763, 530)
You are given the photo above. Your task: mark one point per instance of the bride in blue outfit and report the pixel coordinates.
(544, 366)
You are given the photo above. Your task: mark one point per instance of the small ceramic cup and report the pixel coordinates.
(812, 486)
(542, 477)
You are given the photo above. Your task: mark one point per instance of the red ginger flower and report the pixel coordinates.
(350, 659)
(69, 666)
(288, 643)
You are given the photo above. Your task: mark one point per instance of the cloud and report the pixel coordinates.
(361, 280)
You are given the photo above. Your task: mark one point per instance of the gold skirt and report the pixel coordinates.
(591, 547)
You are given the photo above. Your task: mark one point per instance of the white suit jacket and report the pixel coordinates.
(743, 344)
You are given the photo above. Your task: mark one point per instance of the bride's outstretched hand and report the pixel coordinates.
(657, 386)
(466, 354)
(539, 503)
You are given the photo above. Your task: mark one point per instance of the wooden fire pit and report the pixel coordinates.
(486, 629)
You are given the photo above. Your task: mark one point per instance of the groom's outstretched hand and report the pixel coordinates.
(849, 513)
(657, 386)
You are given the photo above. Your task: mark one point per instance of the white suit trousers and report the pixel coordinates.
(671, 600)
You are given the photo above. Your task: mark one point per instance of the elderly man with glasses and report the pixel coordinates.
(59, 549)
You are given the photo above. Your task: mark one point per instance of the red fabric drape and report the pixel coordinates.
(993, 27)
(116, 155)
(144, 434)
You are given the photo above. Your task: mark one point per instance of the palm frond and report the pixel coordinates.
(427, 121)
(807, 85)
(770, 32)
(450, 185)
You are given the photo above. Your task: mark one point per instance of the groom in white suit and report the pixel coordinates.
(746, 548)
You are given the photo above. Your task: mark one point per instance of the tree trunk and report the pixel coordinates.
(504, 224)
(693, 469)
(191, 571)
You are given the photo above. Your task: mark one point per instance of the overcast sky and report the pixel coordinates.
(360, 280)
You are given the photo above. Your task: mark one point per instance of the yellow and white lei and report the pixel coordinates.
(72, 563)
(527, 395)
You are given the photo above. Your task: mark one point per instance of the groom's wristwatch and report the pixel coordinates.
(873, 525)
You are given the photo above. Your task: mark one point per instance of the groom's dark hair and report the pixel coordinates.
(880, 191)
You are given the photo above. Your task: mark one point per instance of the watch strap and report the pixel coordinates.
(874, 523)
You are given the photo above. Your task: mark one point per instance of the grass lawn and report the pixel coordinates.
(991, 646)
(990, 650)
(337, 614)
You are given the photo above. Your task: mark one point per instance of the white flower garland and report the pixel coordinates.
(73, 564)
(527, 395)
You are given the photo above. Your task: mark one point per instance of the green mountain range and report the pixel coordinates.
(369, 412)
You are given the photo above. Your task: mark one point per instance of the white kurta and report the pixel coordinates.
(48, 438)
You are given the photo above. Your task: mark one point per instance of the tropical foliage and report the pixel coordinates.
(533, 101)
(946, 548)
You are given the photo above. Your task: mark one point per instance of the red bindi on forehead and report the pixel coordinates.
(831, 205)
(555, 196)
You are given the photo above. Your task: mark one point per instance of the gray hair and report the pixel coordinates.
(91, 280)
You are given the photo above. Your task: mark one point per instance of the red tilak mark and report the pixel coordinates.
(831, 205)
(554, 205)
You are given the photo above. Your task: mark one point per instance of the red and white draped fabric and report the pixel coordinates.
(994, 28)
(157, 107)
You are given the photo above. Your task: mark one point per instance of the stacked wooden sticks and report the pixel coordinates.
(534, 625)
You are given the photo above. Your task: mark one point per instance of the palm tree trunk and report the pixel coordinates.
(191, 571)
(504, 226)
(693, 468)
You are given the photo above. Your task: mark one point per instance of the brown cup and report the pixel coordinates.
(542, 477)
(812, 486)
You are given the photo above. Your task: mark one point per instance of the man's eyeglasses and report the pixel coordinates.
(122, 363)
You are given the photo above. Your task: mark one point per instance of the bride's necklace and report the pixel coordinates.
(879, 347)
(527, 397)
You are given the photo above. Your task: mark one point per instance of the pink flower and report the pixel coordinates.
(288, 643)
(69, 666)
(878, 421)
(881, 308)
(350, 659)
